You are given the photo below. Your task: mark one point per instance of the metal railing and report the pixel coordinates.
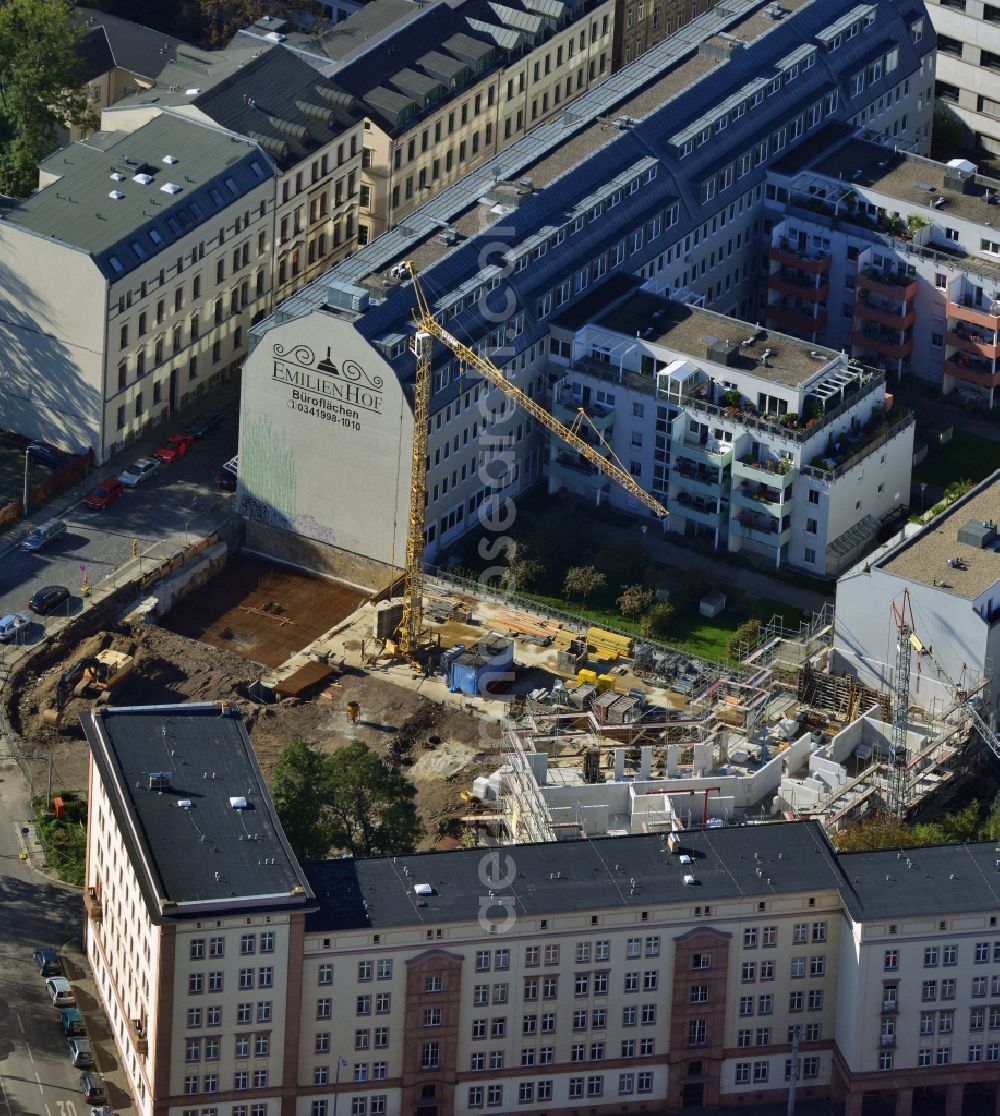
(856, 458)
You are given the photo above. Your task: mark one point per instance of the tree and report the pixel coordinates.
(370, 805)
(40, 86)
(298, 793)
(523, 570)
(991, 826)
(656, 623)
(744, 635)
(582, 581)
(634, 600)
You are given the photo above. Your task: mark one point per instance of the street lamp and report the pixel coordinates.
(923, 489)
(24, 500)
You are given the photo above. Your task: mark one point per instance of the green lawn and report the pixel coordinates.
(695, 634)
(966, 456)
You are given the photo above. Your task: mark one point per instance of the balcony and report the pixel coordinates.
(566, 407)
(888, 283)
(790, 255)
(972, 371)
(691, 475)
(975, 342)
(760, 497)
(829, 467)
(798, 284)
(716, 455)
(890, 1007)
(887, 1042)
(987, 316)
(762, 528)
(693, 507)
(799, 318)
(137, 1032)
(775, 474)
(886, 311)
(886, 342)
(92, 904)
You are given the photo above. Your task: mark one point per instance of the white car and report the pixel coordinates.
(61, 991)
(139, 471)
(13, 623)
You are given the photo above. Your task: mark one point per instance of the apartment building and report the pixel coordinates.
(311, 128)
(948, 572)
(641, 24)
(453, 86)
(193, 955)
(132, 278)
(758, 443)
(659, 173)
(609, 973)
(968, 61)
(893, 257)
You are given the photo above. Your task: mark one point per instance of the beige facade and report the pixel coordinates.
(403, 170)
(537, 978)
(641, 24)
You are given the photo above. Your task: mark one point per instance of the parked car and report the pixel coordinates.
(224, 481)
(48, 454)
(104, 494)
(204, 425)
(102, 1110)
(13, 623)
(45, 600)
(139, 471)
(175, 446)
(43, 534)
(72, 1022)
(93, 1088)
(61, 991)
(47, 961)
(81, 1052)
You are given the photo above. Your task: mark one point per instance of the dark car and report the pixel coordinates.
(48, 454)
(204, 425)
(224, 481)
(45, 600)
(175, 446)
(93, 1088)
(104, 494)
(47, 961)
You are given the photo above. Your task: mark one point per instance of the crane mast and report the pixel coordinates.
(428, 329)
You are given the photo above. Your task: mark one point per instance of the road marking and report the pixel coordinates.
(39, 1080)
(3, 1092)
(19, 1023)
(27, 1046)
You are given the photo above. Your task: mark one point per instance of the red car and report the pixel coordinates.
(105, 494)
(175, 446)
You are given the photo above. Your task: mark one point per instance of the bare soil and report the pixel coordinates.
(441, 748)
(262, 611)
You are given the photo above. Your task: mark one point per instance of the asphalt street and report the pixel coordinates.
(36, 1075)
(177, 504)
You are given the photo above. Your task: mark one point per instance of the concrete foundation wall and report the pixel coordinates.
(330, 561)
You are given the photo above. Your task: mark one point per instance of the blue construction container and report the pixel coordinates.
(487, 665)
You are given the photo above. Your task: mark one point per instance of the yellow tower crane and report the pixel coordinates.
(428, 329)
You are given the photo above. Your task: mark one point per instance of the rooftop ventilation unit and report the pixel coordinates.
(158, 780)
(978, 534)
(169, 159)
(142, 179)
(345, 296)
(191, 92)
(117, 176)
(238, 802)
(423, 889)
(688, 879)
(170, 188)
(185, 804)
(116, 195)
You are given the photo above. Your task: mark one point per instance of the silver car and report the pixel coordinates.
(81, 1052)
(43, 534)
(13, 623)
(139, 471)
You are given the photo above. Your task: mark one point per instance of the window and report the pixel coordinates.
(891, 963)
(697, 1032)
(699, 960)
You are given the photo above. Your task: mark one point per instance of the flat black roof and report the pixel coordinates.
(560, 877)
(171, 773)
(927, 880)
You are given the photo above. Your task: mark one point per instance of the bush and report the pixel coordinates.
(656, 623)
(582, 581)
(634, 600)
(744, 634)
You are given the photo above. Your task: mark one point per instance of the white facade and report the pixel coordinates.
(968, 65)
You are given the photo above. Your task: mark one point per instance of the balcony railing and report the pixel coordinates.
(137, 1031)
(838, 470)
(789, 254)
(890, 1007)
(92, 904)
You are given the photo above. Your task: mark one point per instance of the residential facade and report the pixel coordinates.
(535, 978)
(162, 241)
(968, 33)
(894, 258)
(672, 194)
